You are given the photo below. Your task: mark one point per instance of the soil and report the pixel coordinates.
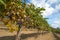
(27, 35)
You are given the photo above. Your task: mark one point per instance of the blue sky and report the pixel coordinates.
(52, 10)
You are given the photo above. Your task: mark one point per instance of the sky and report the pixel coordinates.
(52, 11)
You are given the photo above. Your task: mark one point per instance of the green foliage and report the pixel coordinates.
(56, 30)
(2, 2)
(21, 14)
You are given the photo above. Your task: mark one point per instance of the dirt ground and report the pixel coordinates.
(27, 35)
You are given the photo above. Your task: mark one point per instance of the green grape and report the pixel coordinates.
(15, 27)
(11, 29)
(9, 25)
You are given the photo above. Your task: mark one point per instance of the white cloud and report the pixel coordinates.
(38, 3)
(52, 1)
(56, 23)
(47, 5)
(41, 3)
(48, 12)
(57, 7)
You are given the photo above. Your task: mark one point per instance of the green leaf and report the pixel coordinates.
(2, 2)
